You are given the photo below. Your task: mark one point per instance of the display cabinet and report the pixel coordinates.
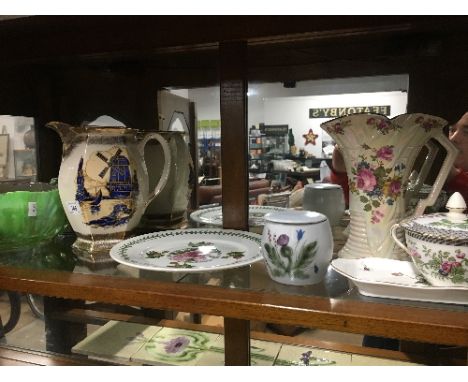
(265, 148)
(74, 68)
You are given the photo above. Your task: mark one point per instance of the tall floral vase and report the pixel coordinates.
(379, 154)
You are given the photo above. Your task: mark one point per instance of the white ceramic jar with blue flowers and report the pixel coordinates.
(297, 246)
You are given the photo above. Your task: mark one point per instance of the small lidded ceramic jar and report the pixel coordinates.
(438, 244)
(326, 198)
(297, 246)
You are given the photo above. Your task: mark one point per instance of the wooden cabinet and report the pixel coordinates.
(74, 68)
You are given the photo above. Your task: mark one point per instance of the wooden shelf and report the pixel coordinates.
(116, 65)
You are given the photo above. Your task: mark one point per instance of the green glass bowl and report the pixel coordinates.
(30, 213)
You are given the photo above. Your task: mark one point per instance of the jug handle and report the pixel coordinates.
(452, 153)
(433, 150)
(397, 240)
(167, 163)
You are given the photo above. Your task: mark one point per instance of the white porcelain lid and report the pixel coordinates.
(447, 227)
(323, 186)
(106, 121)
(295, 217)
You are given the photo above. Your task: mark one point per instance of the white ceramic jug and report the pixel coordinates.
(168, 209)
(379, 154)
(103, 184)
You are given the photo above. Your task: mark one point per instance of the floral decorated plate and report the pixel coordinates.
(189, 250)
(387, 278)
(214, 216)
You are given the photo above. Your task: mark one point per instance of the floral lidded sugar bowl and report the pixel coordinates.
(297, 246)
(438, 244)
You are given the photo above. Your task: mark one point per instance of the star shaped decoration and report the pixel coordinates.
(310, 137)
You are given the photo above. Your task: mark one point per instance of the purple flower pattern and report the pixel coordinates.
(428, 123)
(176, 345)
(336, 128)
(284, 260)
(305, 357)
(446, 267)
(441, 264)
(283, 240)
(382, 125)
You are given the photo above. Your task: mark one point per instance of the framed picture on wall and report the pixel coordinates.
(4, 140)
(25, 164)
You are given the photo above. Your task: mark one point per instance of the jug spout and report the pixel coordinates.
(67, 132)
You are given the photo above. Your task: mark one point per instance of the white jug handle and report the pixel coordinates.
(452, 153)
(394, 236)
(433, 150)
(167, 163)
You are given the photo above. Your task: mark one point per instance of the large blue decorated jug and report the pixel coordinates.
(103, 184)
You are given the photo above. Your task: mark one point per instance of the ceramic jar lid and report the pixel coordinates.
(446, 228)
(295, 217)
(323, 186)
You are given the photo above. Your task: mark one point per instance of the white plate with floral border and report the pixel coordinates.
(214, 215)
(387, 278)
(189, 250)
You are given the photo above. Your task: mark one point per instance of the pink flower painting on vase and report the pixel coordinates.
(377, 180)
(365, 180)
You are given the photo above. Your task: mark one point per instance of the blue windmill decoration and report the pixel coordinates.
(120, 179)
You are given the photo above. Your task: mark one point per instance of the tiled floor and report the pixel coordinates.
(156, 345)
(140, 344)
(29, 332)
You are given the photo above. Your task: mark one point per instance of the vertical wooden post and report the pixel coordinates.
(62, 335)
(235, 181)
(236, 342)
(233, 98)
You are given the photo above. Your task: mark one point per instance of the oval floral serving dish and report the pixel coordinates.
(438, 244)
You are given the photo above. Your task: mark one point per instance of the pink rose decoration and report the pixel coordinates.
(385, 153)
(460, 254)
(383, 125)
(445, 268)
(192, 256)
(365, 180)
(395, 187)
(415, 254)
